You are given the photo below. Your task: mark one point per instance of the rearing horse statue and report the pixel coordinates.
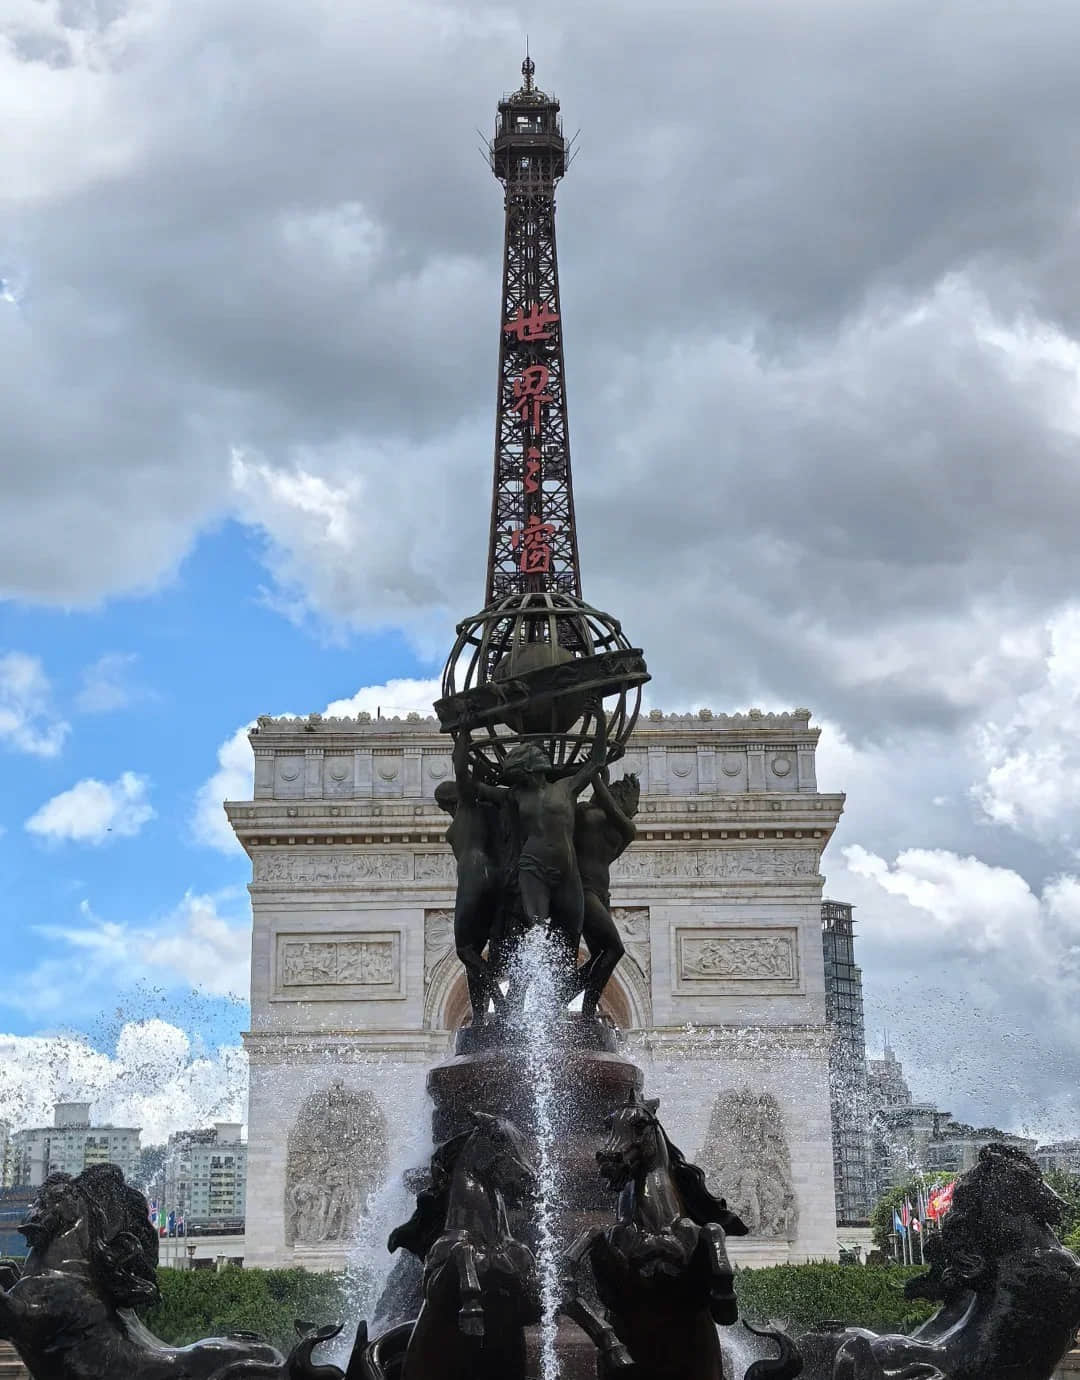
(662, 1271)
(480, 1284)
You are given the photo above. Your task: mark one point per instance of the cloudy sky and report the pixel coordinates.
(819, 266)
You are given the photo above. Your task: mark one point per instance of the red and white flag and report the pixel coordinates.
(940, 1201)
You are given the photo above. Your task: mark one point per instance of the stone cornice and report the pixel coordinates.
(665, 819)
(317, 730)
(753, 1042)
(348, 1046)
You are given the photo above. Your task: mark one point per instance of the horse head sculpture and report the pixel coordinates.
(1009, 1291)
(92, 1261)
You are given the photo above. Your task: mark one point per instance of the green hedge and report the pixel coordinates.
(801, 1295)
(202, 1303)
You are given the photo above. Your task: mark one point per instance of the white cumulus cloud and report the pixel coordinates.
(231, 781)
(91, 810)
(393, 697)
(976, 975)
(1032, 758)
(155, 1078)
(27, 720)
(233, 778)
(194, 946)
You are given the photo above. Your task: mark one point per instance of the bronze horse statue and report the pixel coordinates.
(662, 1271)
(480, 1284)
(1009, 1291)
(93, 1259)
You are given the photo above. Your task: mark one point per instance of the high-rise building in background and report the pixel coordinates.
(205, 1175)
(69, 1145)
(886, 1083)
(847, 1064)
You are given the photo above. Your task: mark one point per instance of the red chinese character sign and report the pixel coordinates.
(530, 396)
(534, 326)
(533, 540)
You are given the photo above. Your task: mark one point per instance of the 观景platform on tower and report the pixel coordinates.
(356, 985)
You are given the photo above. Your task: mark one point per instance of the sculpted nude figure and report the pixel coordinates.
(603, 830)
(474, 837)
(548, 876)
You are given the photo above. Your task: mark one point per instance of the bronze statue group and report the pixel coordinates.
(531, 851)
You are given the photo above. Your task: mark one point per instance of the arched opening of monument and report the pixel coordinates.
(615, 1004)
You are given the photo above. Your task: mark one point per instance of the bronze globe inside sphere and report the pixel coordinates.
(554, 716)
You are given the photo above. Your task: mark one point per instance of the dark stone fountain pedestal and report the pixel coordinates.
(491, 1072)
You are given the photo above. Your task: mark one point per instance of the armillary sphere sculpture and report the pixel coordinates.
(525, 669)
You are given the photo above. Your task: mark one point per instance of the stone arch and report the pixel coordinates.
(337, 1157)
(627, 999)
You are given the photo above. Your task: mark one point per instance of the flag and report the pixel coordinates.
(151, 1209)
(916, 1225)
(172, 1223)
(180, 1226)
(161, 1222)
(897, 1224)
(905, 1213)
(941, 1201)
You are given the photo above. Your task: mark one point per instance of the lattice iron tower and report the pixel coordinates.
(533, 544)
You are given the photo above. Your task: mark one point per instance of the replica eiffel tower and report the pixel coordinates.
(537, 663)
(533, 544)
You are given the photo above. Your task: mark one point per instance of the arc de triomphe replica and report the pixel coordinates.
(356, 989)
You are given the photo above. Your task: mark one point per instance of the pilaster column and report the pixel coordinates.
(264, 773)
(363, 775)
(313, 765)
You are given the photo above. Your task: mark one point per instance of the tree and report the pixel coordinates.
(1067, 1186)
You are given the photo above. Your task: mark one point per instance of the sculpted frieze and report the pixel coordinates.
(436, 867)
(715, 864)
(746, 1157)
(330, 868)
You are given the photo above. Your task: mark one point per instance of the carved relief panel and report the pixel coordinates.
(632, 922)
(736, 958)
(338, 967)
(747, 1160)
(337, 1158)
